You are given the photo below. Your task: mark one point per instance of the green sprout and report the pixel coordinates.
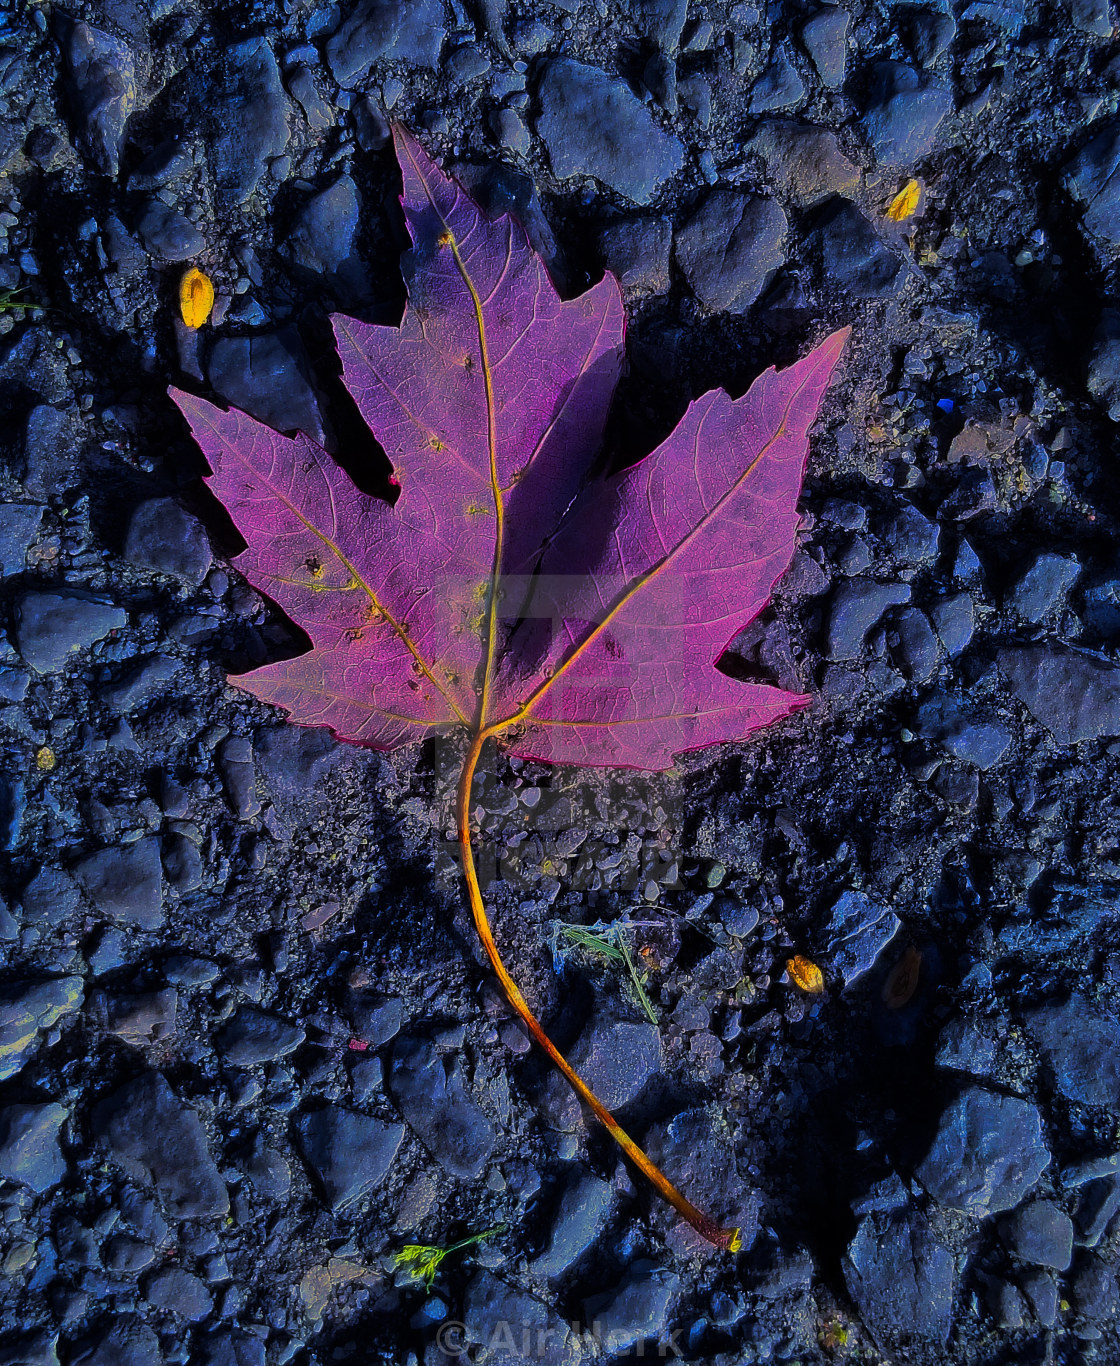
(422, 1261)
(8, 300)
(606, 940)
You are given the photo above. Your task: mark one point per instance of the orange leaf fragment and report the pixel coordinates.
(905, 202)
(804, 973)
(196, 297)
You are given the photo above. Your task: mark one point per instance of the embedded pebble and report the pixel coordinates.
(730, 247)
(857, 933)
(988, 1153)
(433, 1098)
(349, 1153)
(592, 125)
(52, 627)
(164, 537)
(1075, 696)
(125, 882)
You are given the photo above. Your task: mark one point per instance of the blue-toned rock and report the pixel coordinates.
(13, 804)
(730, 248)
(592, 125)
(825, 38)
(617, 1057)
(125, 882)
(1044, 586)
(858, 605)
(1075, 696)
(349, 1153)
(637, 1309)
(30, 1153)
(778, 88)
(988, 1153)
(953, 618)
(498, 1317)
(966, 736)
(248, 114)
(1040, 1233)
(857, 932)
(18, 524)
(581, 1214)
(901, 1276)
(101, 84)
(176, 1291)
(434, 1100)
(168, 234)
(1104, 364)
(637, 251)
(904, 115)
(252, 1037)
(411, 31)
(268, 376)
(1092, 179)
(321, 241)
(803, 163)
(162, 535)
(916, 652)
(159, 1140)
(1080, 1047)
(852, 255)
(51, 627)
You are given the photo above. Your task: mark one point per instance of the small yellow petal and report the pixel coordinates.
(905, 202)
(196, 297)
(44, 759)
(803, 972)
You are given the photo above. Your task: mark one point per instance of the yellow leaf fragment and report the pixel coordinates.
(196, 297)
(44, 759)
(902, 980)
(804, 973)
(905, 202)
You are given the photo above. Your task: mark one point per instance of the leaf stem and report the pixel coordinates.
(707, 1228)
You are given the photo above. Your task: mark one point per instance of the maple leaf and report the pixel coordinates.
(502, 594)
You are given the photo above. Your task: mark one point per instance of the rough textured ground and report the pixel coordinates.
(247, 1047)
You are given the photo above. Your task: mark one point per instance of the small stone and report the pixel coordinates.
(591, 124)
(730, 247)
(376, 30)
(617, 1057)
(637, 251)
(930, 35)
(157, 1139)
(825, 38)
(858, 931)
(248, 118)
(852, 256)
(779, 87)
(164, 537)
(1075, 696)
(1092, 179)
(128, 1256)
(963, 1048)
(1094, 1291)
(953, 620)
(661, 21)
(302, 88)
(19, 523)
(434, 1100)
(30, 1153)
(125, 882)
(239, 776)
(1104, 365)
(168, 234)
(267, 375)
(180, 1293)
(498, 1317)
(857, 606)
(53, 626)
(140, 683)
(321, 241)
(102, 87)
(1044, 586)
(901, 1277)
(269, 1173)
(1081, 1049)
(987, 1154)
(137, 1017)
(126, 1341)
(580, 1216)
(903, 118)
(1040, 1233)
(510, 130)
(349, 1153)
(952, 723)
(251, 1037)
(637, 1308)
(911, 537)
(182, 863)
(805, 164)
(28, 1007)
(916, 652)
